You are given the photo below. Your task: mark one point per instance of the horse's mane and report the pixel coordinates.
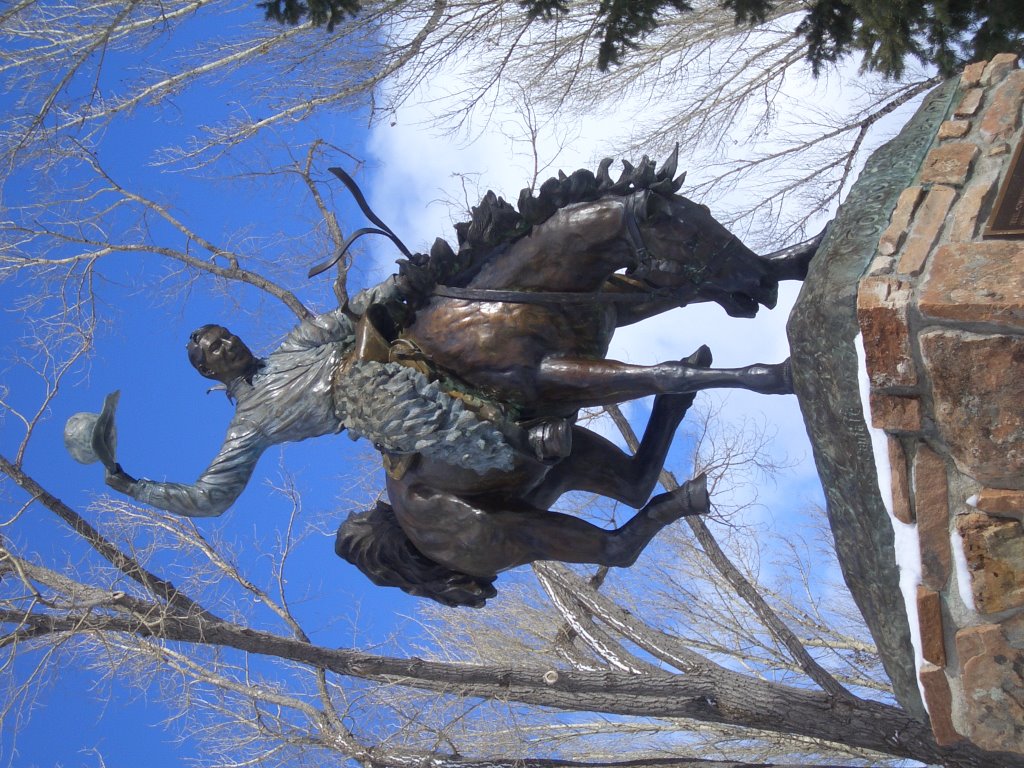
(374, 542)
(496, 224)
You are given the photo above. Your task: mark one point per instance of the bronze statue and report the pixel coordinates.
(467, 370)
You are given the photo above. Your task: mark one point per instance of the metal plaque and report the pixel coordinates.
(1007, 219)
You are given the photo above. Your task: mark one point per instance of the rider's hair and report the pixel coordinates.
(375, 543)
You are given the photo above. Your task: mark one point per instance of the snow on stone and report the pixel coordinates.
(906, 544)
(963, 576)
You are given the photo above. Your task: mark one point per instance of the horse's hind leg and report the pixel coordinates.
(482, 542)
(626, 543)
(583, 382)
(792, 263)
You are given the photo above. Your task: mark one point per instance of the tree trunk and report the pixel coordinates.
(743, 702)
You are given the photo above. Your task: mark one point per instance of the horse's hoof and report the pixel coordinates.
(793, 263)
(689, 499)
(678, 404)
(778, 379)
(698, 501)
(786, 377)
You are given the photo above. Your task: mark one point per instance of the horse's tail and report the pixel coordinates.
(375, 543)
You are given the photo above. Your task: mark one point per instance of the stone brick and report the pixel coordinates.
(998, 68)
(972, 74)
(977, 391)
(976, 283)
(1013, 630)
(928, 223)
(894, 413)
(939, 699)
(1002, 503)
(894, 234)
(949, 163)
(992, 677)
(929, 618)
(994, 548)
(974, 641)
(880, 265)
(1001, 118)
(969, 104)
(954, 129)
(883, 305)
(931, 508)
(967, 211)
(900, 481)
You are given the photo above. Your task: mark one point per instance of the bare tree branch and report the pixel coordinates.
(158, 587)
(743, 587)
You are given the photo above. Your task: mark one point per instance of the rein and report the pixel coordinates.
(380, 229)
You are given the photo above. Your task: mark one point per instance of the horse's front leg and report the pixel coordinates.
(584, 382)
(598, 466)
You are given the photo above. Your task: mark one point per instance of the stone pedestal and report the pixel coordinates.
(941, 310)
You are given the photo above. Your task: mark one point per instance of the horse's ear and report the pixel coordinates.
(668, 168)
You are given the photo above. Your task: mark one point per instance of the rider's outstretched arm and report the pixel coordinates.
(215, 490)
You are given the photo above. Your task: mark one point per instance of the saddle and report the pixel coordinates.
(376, 340)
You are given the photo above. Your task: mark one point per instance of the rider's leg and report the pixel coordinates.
(581, 382)
(482, 543)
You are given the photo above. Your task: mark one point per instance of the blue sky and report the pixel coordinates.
(168, 427)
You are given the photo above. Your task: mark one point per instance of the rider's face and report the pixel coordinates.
(224, 356)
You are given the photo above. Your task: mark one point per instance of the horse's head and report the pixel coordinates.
(685, 241)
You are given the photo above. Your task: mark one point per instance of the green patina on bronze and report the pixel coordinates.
(821, 330)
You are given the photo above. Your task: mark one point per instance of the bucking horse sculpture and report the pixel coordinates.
(467, 370)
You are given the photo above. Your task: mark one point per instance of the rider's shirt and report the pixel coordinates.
(288, 400)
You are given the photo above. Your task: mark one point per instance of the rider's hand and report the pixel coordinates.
(119, 480)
